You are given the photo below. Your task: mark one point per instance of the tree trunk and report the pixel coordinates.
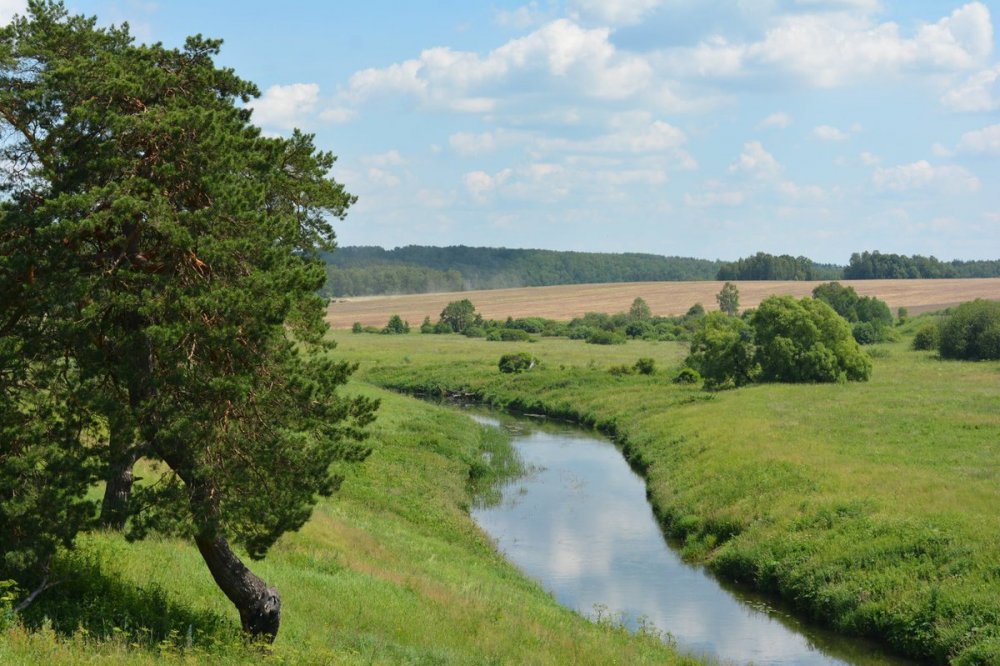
(118, 477)
(258, 604)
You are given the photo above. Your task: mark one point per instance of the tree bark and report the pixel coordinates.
(118, 477)
(258, 604)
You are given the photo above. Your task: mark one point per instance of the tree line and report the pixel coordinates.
(417, 269)
(362, 271)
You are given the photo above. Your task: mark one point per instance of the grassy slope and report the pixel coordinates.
(390, 571)
(871, 507)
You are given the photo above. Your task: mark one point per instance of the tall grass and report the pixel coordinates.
(391, 570)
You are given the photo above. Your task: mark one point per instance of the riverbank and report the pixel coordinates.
(390, 570)
(868, 507)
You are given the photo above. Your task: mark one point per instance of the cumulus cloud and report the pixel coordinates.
(560, 50)
(285, 106)
(985, 141)
(950, 179)
(979, 92)
(830, 133)
(778, 120)
(829, 49)
(756, 161)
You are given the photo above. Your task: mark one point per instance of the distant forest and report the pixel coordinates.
(416, 269)
(362, 271)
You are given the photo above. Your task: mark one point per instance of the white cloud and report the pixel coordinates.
(829, 49)
(383, 177)
(870, 159)
(465, 143)
(386, 159)
(923, 175)
(481, 185)
(561, 51)
(979, 92)
(941, 150)
(981, 142)
(613, 12)
(756, 161)
(338, 115)
(830, 133)
(806, 193)
(779, 120)
(631, 132)
(714, 199)
(285, 106)
(522, 17)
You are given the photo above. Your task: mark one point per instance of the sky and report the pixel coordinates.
(705, 128)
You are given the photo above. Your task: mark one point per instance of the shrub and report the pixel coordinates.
(687, 376)
(638, 329)
(619, 370)
(357, 328)
(475, 332)
(514, 335)
(514, 363)
(602, 337)
(396, 326)
(972, 332)
(645, 366)
(427, 326)
(927, 337)
(722, 351)
(806, 341)
(865, 333)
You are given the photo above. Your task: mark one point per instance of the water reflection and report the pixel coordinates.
(579, 523)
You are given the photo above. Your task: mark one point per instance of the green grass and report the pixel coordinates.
(391, 570)
(871, 507)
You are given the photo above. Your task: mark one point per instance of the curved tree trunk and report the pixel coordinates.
(118, 477)
(258, 604)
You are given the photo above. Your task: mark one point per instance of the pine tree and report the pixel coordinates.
(163, 253)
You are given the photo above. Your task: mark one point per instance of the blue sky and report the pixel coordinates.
(701, 128)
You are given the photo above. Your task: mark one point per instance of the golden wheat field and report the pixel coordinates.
(664, 298)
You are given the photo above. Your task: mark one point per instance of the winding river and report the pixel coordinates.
(579, 523)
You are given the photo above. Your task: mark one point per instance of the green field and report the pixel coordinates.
(391, 570)
(870, 507)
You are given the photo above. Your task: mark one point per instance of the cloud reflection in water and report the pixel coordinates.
(580, 525)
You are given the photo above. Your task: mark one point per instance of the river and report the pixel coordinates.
(579, 523)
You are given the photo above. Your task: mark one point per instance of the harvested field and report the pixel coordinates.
(665, 298)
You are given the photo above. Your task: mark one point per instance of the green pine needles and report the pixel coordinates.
(158, 278)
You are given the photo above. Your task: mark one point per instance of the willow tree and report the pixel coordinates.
(163, 253)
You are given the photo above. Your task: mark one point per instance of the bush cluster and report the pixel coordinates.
(972, 332)
(870, 318)
(514, 363)
(783, 340)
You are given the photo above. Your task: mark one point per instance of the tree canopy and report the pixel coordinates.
(158, 275)
(783, 340)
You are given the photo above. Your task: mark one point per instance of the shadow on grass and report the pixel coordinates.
(106, 607)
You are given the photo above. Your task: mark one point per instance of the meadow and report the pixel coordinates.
(869, 507)
(390, 570)
(664, 298)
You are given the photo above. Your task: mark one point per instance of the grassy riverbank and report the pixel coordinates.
(392, 570)
(869, 507)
